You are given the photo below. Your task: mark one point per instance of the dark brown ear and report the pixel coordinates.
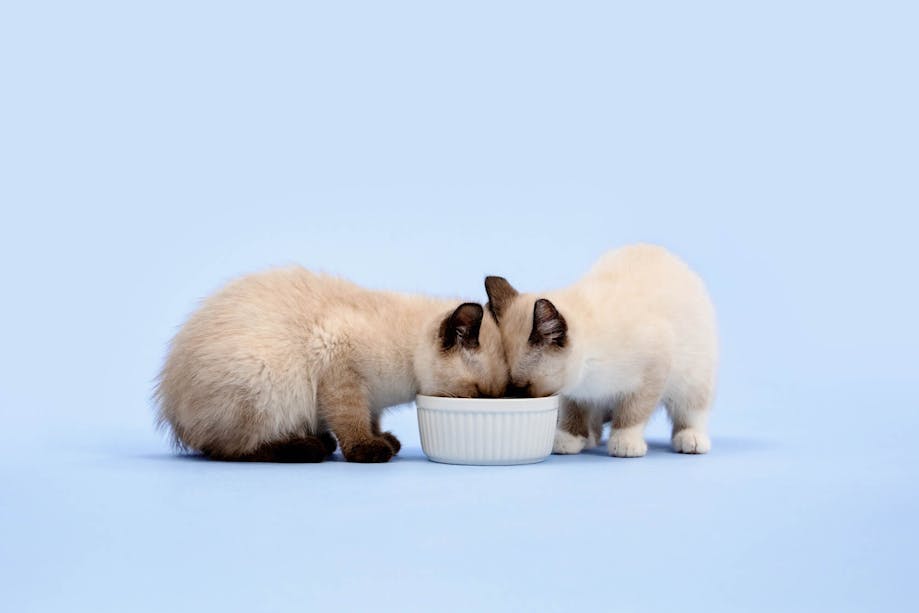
(500, 293)
(461, 328)
(549, 327)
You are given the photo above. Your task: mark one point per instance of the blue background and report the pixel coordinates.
(150, 151)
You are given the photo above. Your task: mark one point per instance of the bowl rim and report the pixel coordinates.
(487, 405)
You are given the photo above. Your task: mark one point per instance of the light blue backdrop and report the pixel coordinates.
(150, 151)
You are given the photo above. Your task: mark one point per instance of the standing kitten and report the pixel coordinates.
(636, 331)
(268, 366)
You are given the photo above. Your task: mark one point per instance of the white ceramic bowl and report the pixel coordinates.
(487, 431)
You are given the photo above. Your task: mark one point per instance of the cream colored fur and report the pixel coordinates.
(289, 353)
(639, 331)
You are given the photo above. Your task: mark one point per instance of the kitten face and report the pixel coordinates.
(535, 337)
(466, 358)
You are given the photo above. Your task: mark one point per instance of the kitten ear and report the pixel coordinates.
(462, 327)
(500, 293)
(549, 327)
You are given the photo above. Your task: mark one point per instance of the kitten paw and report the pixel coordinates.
(370, 452)
(393, 441)
(567, 443)
(691, 441)
(626, 445)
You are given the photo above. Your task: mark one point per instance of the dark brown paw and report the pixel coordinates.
(307, 449)
(328, 442)
(372, 451)
(390, 438)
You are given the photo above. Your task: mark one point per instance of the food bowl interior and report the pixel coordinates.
(444, 403)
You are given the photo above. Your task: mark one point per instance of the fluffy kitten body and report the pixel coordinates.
(637, 331)
(267, 367)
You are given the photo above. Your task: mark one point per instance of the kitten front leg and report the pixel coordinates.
(689, 415)
(572, 432)
(389, 436)
(343, 405)
(595, 426)
(627, 438)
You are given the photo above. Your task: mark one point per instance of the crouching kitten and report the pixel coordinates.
(637, 331)
(274, 364)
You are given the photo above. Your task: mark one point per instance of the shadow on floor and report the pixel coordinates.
(728, 445)
(656, 447)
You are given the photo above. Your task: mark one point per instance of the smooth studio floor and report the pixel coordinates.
(150, 152)
(802, 514)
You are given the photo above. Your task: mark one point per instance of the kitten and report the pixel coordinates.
(638, 330)
(274, 362)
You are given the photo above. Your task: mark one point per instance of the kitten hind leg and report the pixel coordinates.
(299, 448)
(690, 423)
(305, 448)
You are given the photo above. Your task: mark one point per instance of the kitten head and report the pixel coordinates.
(535, 337)
(466, 358)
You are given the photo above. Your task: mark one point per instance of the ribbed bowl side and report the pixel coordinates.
(473, 437)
